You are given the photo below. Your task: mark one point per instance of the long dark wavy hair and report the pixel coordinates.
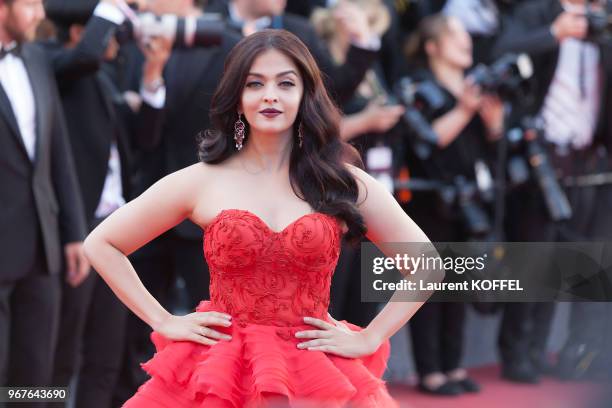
(317, 170)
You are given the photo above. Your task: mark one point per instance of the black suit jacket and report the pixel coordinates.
(93, 121)
(96, 113)
(529, 32)
(341, 80)
(38, 199)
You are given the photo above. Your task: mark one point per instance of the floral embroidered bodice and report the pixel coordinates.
(261, 276)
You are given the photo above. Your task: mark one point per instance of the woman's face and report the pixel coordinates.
(454, 45)
(272, 94)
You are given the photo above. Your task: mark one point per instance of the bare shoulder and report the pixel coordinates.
(198, 170)
(367, 184)
(193, 177)
(356, 171)
(186, 184)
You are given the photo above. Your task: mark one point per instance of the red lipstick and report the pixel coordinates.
(270, 112)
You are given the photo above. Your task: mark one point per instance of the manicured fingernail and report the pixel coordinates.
(298, 334)
(300, 345)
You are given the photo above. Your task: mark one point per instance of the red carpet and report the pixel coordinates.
(496, 393)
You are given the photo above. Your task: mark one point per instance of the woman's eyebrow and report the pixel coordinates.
(280, 74)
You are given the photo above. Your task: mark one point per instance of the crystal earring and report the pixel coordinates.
(300, 135)
(239, 133)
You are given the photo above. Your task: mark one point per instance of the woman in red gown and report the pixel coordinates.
(274, 194)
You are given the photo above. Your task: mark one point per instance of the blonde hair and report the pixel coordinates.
(377, 13)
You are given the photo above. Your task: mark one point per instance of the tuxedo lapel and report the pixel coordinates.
(6, 111)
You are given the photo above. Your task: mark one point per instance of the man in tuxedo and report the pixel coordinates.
(92, 325)
(41, 212)
(246, 16)
(572, 97)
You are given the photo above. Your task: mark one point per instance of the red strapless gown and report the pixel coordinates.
(267, 281)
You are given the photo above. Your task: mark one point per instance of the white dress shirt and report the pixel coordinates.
(109, 12)
(571, 107)
(16, 84)
(112, 192)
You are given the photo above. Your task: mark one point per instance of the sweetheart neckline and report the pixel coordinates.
(265, 224)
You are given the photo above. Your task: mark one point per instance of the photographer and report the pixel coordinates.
(468, 118)
(571, 96)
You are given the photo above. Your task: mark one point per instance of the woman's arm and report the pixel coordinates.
(387, 222)
(164, 205)
(374, 118)
(353, 125)
(449, 126)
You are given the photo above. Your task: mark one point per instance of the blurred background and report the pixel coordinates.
(489, 120)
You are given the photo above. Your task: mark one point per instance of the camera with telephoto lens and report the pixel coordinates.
(464, 195)
(599, 22)
(184, 32)
(507, 77)
(529, 160)
(460, 199)
(205, 30)
(419, 97)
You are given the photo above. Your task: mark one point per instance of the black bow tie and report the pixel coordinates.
(13, 48)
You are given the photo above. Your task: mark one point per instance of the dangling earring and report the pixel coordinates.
(239, 133)
(300, 136)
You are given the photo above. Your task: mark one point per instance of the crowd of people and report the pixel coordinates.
(93, 112)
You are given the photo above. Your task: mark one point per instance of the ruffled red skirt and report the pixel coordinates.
(261, 365)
